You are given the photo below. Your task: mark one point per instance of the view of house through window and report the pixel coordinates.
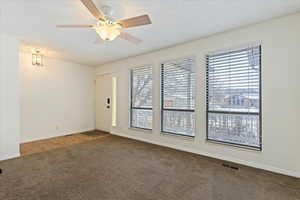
(141, 97)
(234, 97)
(178, 97)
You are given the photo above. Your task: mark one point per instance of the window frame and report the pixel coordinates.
(162, 109)
(259, 113)
(131, 107)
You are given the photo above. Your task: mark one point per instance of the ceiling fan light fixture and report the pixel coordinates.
(108, 30)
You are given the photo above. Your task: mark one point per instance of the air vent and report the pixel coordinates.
(230, 166)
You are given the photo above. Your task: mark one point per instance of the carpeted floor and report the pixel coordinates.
(116, 168)
(60, 142)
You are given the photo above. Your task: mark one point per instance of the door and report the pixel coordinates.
(103, 102)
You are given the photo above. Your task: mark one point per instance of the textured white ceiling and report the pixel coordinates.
(174, 21)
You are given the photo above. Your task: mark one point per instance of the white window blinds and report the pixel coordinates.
(141, 97)
(234, 97)
(178, 97)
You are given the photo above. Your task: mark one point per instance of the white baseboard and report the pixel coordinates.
(9, 156)
(217, 156)
(56, 135)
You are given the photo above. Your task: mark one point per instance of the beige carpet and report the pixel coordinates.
(60, 142)
(115, 168)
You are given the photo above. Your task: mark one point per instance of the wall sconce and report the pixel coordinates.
(37, 58)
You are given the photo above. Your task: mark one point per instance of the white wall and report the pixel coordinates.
(37, 103)
(56, 99)
(280, 39)
(9, 97)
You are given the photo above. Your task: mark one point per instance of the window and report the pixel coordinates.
(234, 97)
(178, 97)
(114, 102)
(141, 98)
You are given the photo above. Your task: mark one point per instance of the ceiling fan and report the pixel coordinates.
(109, 29)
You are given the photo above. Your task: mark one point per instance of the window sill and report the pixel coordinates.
(140, 129)
(191, 138)
(234, 145)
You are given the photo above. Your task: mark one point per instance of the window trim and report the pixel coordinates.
(259, 113)
(131, 107)
(162, 109)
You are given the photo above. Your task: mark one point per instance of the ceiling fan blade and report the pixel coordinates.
(89, 4)
(135, 21)
(130, 38)
(74, 26)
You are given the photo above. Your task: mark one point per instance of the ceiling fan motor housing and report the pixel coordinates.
(107, 11)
